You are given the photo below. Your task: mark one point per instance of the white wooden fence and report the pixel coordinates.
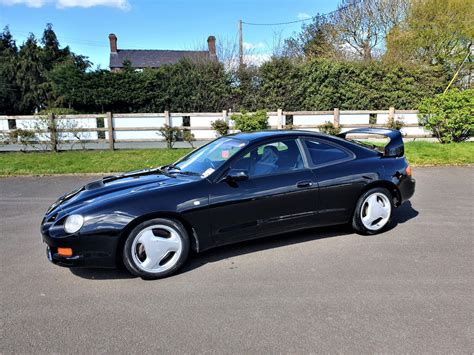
(143, 127)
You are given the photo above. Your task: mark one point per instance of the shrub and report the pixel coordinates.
(393, 123)
(449, 116)
(248, 122)
(188, 137)
(57, 126)
(4, 139)
(26, 137)
(329, 128)
(220, 126)
(170, 134)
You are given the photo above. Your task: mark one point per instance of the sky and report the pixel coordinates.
(84, 25)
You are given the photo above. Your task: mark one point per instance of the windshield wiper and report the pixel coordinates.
(170, 167)
(191, 173)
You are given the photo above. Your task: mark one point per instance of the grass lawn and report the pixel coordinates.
(426, 153)
(418, 154)
(100, 161)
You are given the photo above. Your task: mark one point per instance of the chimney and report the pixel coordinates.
(113, 43)
(211, 44)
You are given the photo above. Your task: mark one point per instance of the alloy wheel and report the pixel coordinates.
(156, 248)
(375, 211)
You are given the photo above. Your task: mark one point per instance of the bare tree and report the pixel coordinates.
(362, 25)
(316, 39)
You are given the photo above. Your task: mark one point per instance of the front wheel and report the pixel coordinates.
(373, 211)
(156, 248)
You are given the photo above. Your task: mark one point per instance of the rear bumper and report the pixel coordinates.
(88, 251)
(407, 188)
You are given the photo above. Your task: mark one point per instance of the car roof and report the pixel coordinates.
(259, 135)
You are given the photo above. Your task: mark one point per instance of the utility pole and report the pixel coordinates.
(241, 46)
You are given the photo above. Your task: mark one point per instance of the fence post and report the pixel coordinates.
(110, 126)
(53, 130)
(391, 114)
(336, 118)
(280, 118)
(225, 118)
(167, 118)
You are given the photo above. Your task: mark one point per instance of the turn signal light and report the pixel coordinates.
(408, 170)
(65, 251)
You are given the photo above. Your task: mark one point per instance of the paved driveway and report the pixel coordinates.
(324, 290)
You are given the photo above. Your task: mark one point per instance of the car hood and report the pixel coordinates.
(112, 186)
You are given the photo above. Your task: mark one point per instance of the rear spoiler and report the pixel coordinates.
(394, 148)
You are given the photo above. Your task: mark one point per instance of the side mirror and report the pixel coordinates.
(237, 175)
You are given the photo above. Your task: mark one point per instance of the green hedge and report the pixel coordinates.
(279, 83)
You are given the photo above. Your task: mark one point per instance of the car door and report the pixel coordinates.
(279, 195)
(339, 184)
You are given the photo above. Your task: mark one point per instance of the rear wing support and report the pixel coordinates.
(394, 148)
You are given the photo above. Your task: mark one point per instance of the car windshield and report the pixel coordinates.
(204, 161)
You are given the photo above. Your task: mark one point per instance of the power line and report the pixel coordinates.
(305, 19)
(80, 41)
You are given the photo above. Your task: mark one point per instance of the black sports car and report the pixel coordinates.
(237, 187)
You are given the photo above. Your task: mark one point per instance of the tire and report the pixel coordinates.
(373, 211)
(156, 248)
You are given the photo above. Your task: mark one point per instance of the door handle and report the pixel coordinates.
(304, 184)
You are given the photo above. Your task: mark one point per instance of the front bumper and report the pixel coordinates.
(88, 251)
(66, 261)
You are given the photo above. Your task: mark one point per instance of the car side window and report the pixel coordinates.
(323, 153)
(271, 158)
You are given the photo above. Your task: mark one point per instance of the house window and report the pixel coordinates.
(11, 124)
(186, 121)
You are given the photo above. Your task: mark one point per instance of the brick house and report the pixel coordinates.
(154, 58)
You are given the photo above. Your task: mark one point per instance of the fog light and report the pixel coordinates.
(65, 251)
(73, 223)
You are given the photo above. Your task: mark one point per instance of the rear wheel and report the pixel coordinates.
(156, 248)
(373, 211)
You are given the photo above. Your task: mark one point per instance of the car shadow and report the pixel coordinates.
(402, 214)
(102, 274)
(267, 243)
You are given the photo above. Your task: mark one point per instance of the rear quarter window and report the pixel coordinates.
(322, 153)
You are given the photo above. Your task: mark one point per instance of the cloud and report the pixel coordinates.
(29, 3)
(248, 45)
(257, 59)
(62, 4)
(303, 16)
(121, 4)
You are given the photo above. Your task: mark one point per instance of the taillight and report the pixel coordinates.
(408, 170)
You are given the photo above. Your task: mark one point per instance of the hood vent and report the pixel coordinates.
(94, 185)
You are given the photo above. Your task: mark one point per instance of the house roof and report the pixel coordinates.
(144, 58)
